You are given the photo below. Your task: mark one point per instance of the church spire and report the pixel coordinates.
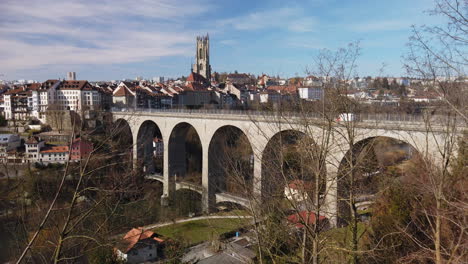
(202, 57)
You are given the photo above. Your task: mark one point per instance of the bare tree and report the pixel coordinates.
(438, 54)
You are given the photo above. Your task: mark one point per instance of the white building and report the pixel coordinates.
(76, 96)
(158, 79)
(33, 147)
(298, 190)
(312, 81)
(139, 246)
(71, 76)
(54, 154)
(17, 103)
(310, 93)
(25, 102)
(8, 142)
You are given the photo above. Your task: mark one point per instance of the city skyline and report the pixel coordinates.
(157, 38)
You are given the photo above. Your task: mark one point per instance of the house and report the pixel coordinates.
(8, 143)
(43, 97)
(54, 154)
(33, 147)
(77, 96)
(80, 149)
(269, 96)
(130, 95)
(312, 81)
(262, 80)
(235, 251)
(298, 190)
(283, 89)
(18, 104)
(310, 93)
(196, 81)
(33, 100)
(196, 98)
(138, 246)
(124, 95)
(299, 219)
(239, 79)
(233, 89)
(14, 156)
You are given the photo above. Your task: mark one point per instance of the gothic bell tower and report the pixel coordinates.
(202, 59)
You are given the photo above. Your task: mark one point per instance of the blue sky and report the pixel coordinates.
(116, 39)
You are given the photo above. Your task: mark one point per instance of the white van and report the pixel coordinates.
(346, 117)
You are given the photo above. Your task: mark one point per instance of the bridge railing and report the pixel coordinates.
(373, 117)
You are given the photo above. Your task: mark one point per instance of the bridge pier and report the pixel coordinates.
(168, 184)
(135, 154)
(257, 178)
(331, 195)
(208, 195)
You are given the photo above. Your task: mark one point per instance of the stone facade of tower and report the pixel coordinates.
(202, 60)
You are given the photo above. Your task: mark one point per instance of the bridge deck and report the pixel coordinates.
(387, 120)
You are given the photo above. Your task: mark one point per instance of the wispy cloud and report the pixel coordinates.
(38, 33)
(288, 18)
(381, 25)
(228, 42)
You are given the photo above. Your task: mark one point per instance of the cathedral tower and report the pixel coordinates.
(202, 59)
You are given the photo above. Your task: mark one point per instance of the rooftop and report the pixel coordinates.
(304, 217)
(137, 234)
(55, 149)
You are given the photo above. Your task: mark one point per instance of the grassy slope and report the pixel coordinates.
(194, 232)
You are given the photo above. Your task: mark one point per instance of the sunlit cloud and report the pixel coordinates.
(38, 33)
(287, 18)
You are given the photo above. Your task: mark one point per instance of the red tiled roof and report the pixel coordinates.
(122, 91)
(194, 86)
(238, 75)
(32, 140)
(195, 77)
(311, 77)
(47, 84)
(299, 219)
(283, 88)
(33, 86)
(75, 85)
(300, 185)
(137, 234)
(55, 149)
(15, 91)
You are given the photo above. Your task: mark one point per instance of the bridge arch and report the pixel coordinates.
(185, 154)
(369, 166)
(122, 143)
(150, 148)
(291, 157)
(230, 159)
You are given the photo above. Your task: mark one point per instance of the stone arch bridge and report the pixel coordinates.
(259, 129)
